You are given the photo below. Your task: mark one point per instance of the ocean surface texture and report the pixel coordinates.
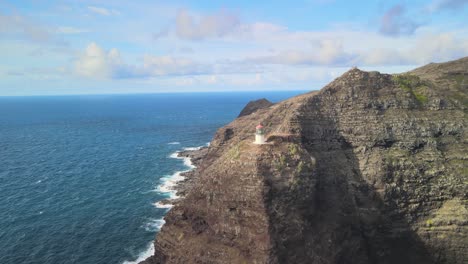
(80, 176)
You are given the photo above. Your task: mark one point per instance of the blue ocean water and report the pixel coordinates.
(79, 174)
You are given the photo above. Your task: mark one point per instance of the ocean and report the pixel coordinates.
(81, 176)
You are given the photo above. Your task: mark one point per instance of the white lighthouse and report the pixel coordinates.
(259, 135)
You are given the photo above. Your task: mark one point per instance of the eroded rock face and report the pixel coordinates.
(371, 169)
(253, 106)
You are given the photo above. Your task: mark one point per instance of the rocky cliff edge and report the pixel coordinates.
(370, 169)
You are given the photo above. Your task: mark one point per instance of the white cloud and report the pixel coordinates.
(238, 54)
(324, 49)
(103, 11)
(438, 47)
(97, 63)
(326, 52)
(216, 25)
(219, 25)
(426, 48)
(362, 48)
(70, 30)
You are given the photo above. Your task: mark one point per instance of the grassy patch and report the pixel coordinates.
(421, 98)
(429, 222)
(405, 82)
(296, 179)
(300, 168)
(281, 163)
(413, 85)
(293, 149)
(234, 152)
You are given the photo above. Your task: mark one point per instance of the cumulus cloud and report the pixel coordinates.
(208, 26)
(395, 23)
(439, 5)
(95, 62)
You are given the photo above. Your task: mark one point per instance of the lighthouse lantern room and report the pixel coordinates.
(259, 135)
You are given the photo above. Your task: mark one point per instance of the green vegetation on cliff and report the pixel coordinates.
(413, 85)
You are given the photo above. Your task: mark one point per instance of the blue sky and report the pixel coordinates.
(99, 47)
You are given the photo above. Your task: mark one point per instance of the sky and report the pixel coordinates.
(141, 46)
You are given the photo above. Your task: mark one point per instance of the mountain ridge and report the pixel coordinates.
(370, 169)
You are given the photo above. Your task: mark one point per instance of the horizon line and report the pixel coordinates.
(151, 93)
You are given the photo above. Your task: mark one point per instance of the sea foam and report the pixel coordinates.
(148, 252)
(167, 186)
(169, 182)
(154, 225)
(163, 205)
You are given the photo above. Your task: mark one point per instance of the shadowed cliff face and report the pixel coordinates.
(371, 169)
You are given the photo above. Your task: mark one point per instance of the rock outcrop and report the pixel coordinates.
(370, 169)
(253, 106)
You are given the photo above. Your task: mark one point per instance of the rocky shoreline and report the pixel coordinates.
(196, 157)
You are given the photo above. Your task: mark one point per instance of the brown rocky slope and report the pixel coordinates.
(370, 169)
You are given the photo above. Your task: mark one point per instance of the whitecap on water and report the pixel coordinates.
(169, 182)
(193, 148)
(148, 252)
(162, 206)
(154, 225)
(167, 186)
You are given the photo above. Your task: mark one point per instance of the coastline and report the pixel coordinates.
(256, 204)
(176, 185)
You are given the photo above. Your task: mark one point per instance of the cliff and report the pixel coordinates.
(253, 106)
(370, 169)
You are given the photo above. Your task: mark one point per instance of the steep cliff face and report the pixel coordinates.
(371, 169)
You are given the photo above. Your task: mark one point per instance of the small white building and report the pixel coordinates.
(259, 135)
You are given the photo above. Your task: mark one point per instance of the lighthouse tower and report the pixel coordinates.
(259, 135)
